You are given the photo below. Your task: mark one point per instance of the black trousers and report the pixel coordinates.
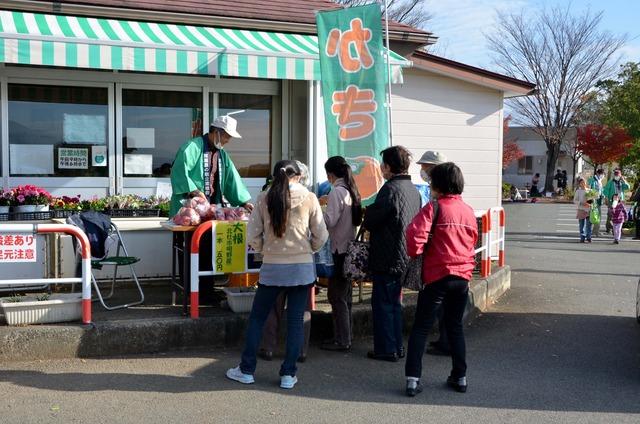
(451, 293)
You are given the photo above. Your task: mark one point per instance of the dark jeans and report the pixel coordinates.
(443, 340)
(272, 325)
(297, 298)
(451, 292)
(386, 308)
(340, 295)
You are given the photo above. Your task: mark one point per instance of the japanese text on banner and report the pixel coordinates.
(353, 88)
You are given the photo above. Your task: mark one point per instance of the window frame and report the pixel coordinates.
(526, 170)
(114, 81)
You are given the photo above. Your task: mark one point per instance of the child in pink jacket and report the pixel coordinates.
(618, 217)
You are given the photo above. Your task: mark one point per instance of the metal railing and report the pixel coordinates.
(86, 260)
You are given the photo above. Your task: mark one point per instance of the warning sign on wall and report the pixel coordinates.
(17, 248)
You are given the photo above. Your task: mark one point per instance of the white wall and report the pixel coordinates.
(459, 119)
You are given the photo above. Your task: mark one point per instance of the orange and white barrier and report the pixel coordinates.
(195, 272)
(489, 222)
(86, 260)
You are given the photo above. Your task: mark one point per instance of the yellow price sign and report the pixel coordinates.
(230, 247)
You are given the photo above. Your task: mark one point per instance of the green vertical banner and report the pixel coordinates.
(353, 73)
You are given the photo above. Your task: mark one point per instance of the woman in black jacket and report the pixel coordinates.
(387, 219)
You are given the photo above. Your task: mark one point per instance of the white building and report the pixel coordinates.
(519, 173)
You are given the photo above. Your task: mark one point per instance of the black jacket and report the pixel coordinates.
(387, 220)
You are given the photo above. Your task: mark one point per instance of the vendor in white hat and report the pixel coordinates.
(203, 166)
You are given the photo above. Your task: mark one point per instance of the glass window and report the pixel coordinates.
(252, 154)
(58, 131)
(154, 126)
(525, 165)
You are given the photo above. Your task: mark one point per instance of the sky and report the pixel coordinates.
(461, 24)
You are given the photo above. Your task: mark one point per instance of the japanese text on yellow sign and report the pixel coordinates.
(230, 247)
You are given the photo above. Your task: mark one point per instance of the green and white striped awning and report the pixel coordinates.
(92, 43)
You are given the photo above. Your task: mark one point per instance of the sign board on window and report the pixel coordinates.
(17, 248)
(141, 138)
(98, 155)
(31, 159)
(73, 158)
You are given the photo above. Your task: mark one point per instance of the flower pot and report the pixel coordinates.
(4, 209)
(58, 308)
(42, 208)
(25, 208)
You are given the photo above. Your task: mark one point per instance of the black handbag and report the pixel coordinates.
(412, 277)
(356, 262)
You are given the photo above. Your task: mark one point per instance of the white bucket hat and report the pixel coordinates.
(228, 124)
(432, 157)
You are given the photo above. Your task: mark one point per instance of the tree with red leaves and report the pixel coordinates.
(602, 143)
(510, 151)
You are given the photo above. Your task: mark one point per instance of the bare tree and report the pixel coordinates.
(410, 12)
(565, 56)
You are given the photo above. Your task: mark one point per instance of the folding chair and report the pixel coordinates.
(122, 258)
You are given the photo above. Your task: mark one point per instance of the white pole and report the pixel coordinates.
(386, 24)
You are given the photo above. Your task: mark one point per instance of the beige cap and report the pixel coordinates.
(432, 157)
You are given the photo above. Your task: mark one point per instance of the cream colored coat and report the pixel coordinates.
(305, 234)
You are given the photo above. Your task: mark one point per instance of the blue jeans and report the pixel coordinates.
(387, 313)
(297, 298)
(451, 295)
(585, 228)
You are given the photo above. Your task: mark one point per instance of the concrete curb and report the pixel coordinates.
(227, 330)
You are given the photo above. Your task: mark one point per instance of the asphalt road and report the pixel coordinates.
(562, 346)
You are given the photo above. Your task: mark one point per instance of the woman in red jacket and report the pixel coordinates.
(451, 232)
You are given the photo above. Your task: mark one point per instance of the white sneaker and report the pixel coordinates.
(239, 376)
(287, 381)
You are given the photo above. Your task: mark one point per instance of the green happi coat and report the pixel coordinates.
(187, 175)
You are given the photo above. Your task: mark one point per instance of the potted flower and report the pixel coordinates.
(6, 200)
(30, 198)
(65, 206)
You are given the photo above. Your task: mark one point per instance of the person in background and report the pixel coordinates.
(595, 183)
(618, 217)
(387, 218)
(583, 208)
(447, 266)
(564, 181)
(342, 215)
(617, 185)
(535, 192)
(427, 162)
(287, 227)
(272, 325)
(558, 179)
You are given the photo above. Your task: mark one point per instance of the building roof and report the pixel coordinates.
(298, 15)
(512, 87)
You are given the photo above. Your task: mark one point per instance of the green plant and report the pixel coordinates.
(568, 193)
(14, 299)
(506, 191)
(42, 297)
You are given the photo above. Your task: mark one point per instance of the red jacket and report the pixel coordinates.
(452, 248)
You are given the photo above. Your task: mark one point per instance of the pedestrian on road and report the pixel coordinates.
(427, 162)
(595, 183)
(342, 215)
(387, 219)
(447, 239)
(583, 208)
(287, 227)
(617, 185)
(275, 318)
(618, 217)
